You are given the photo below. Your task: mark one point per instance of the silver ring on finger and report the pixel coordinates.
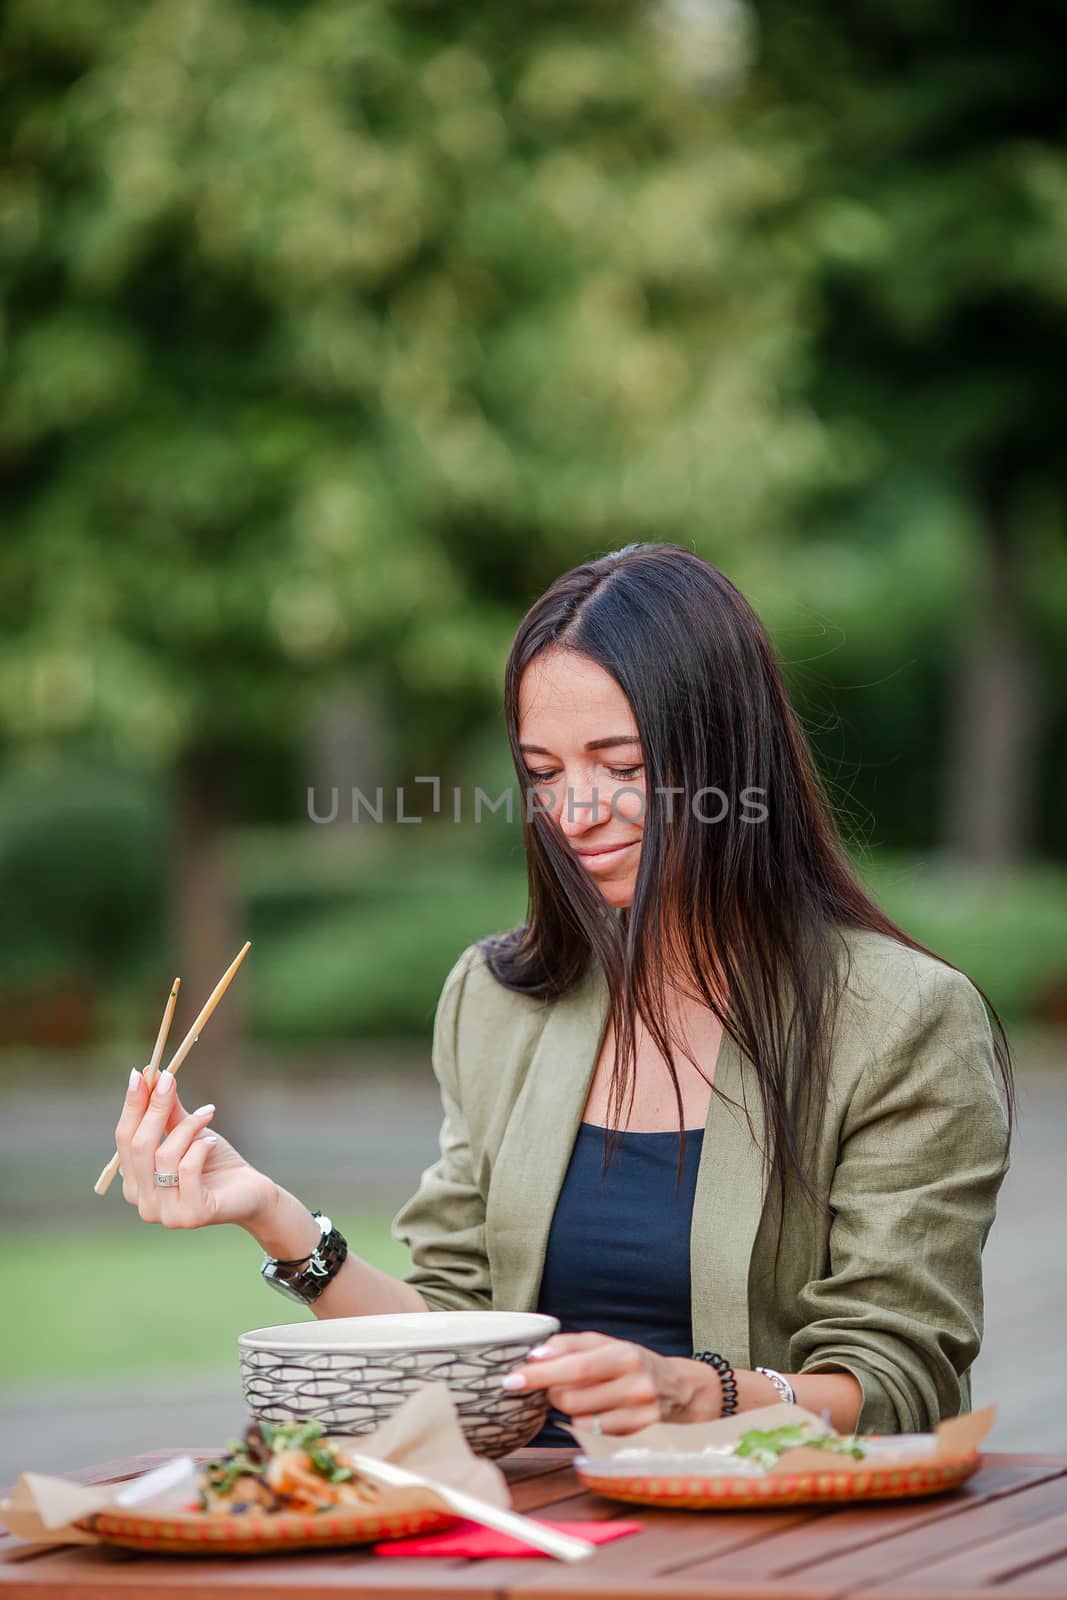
(166, 1180)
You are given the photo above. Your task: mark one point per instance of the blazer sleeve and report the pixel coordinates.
(443, 1224)
(922, 1155)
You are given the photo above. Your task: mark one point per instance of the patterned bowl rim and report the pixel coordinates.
(538, 1327)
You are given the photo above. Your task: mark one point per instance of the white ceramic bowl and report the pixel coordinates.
(350, 1373)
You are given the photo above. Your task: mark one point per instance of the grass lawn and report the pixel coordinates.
(108, 1304)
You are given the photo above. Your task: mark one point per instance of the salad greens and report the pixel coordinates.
(249, 1456)
(765, 1445)
(302, 1436)
(236, 1463)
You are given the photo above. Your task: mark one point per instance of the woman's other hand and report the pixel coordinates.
(627, 1387)
(155, 1133)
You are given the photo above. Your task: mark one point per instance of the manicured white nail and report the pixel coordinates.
(165, 1082)
(513, 1380)
(202, 1111)
(538, 1352)
(212, 1138)
(135, 1077)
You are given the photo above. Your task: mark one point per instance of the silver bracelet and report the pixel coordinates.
(783, 1385)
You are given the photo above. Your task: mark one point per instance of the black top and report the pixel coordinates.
(617, 1259)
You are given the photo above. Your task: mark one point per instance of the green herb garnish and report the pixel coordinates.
(291, 1435)
(765, 1445)
(223, 1474)
(239, 1462)
(328, 1466)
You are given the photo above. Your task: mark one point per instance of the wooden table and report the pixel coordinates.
(1002, 1536)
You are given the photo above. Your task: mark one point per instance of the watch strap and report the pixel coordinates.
(305, 1277)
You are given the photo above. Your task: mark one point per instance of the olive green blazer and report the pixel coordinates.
(888, 1286)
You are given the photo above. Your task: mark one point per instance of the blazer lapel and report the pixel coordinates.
(532, 1160)
(727, 1207)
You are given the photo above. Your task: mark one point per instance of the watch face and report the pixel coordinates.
(286, 1289)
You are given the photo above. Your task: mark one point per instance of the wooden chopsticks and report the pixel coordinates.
(103, 1183)
(209, 1005)
(164, 1029)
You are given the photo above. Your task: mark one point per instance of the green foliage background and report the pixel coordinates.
(332, 335)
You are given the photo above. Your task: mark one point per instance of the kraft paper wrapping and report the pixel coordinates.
(953, 1437)
(423, 1435)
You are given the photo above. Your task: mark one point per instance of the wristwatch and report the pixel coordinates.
(304, 1278)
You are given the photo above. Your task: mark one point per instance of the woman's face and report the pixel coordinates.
(577, 733)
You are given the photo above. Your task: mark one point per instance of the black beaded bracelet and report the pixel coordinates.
(726, 1378)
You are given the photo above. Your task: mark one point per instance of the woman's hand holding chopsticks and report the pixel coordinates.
(178, 1174)
(206, 1179)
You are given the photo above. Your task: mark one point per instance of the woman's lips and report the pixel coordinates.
(596, 858)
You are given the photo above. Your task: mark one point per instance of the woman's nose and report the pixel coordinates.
(581, 805)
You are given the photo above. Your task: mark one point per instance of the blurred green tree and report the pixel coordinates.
(334, 334)
(933, 225)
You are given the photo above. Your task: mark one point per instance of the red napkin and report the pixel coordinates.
(471, 1539)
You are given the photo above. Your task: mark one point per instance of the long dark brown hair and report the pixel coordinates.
(750, 913)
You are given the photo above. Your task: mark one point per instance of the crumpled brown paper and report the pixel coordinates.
(954, 1436)
(423, 1435)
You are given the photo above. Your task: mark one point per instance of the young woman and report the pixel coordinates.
(708, 1105)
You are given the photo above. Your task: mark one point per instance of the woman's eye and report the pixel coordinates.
(624, 774)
